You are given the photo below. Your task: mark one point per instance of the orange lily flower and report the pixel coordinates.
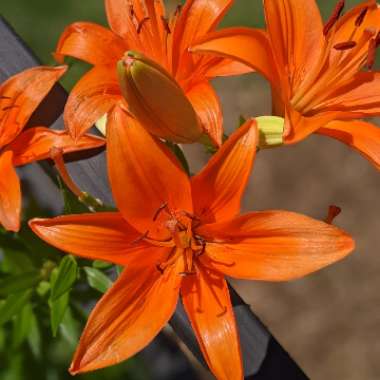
(141, 25)
(316, 71)
(180, 236)
(20, 95)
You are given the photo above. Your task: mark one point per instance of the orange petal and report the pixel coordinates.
(143, 173)
(273, 245)
(92, 97)
(227, 67)
(20, 95)
(103, 236)
(197, 18)
(295, 30)
(35, 144)
(298, 127)
(248, 46)
(91, 43)
(10, 194)
(218, 188)
(359, 97)
(207, 302)
(362, 136)
(127, 317)
(208, 108)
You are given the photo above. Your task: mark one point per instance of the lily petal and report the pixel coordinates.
(362, 136)
(91, 43)
(359, 97)
(273, 245)
(128, 317)
(248, 46)
(218, 188)
(35, 144)
(144, 174)
(227, 67)
(100, 236)
(298, 127)
(92, 97)
(20, 95)
(208, 108)
(207, 303)
(10, 194)
(295, 30)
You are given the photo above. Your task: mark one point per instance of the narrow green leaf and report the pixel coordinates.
(20, 282)
(13, 305)
(66, 276)
(34, 337)
(58, 307)
(175, 148)
(22, 324)
(70, 329)
(97, 279)
(16, 261)
(98, 264)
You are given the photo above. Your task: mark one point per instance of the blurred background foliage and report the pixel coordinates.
(32, 308)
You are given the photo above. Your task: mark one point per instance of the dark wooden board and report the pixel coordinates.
(264, 358)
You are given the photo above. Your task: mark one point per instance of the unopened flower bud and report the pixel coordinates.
(271, 131)
(156, 100)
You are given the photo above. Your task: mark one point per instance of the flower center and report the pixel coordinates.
(183, 241)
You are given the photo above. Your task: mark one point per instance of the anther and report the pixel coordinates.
(359, 20)
(5, 97)
(371, 55)
(347, 45)
(333, 212)
(141, 24)
(158, 267)
(178, 10)
(166, 24)
(164, 206)
(334, 17)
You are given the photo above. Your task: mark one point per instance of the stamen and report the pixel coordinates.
(141, 24)
(166, 24)
(334, 17)
(178, 10)
(164, 206)
(5, 97)
(371, 56)
(56, 154)
(333, 212)
(345, 45)
(131, 11)
(359, 20)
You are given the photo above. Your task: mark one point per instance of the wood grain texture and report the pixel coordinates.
(264, 358)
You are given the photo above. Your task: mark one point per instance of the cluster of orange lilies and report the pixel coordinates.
(175, 234)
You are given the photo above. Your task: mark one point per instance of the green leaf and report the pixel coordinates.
(97, 279)
(98, 264)
(175, 148)
(13, 305)
(22, 325)
(66, 276)
(70, 329)
(58, 307)
(20, 282)
(16, 260)
(34, 337)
